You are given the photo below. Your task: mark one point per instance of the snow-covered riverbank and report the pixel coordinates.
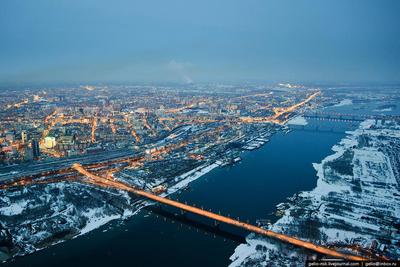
(356, 201)
(72, 210)
(299, 120)
(97, 218)
(344, 102)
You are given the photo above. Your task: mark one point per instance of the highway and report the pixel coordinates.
(14, 172)
(26, 172)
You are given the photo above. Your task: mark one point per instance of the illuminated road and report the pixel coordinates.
(104, 182)
(44, 168)
(294, 107)
(281, 114)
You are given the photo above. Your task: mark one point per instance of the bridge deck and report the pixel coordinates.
(104, 182)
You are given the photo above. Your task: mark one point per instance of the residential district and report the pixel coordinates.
(160, 138)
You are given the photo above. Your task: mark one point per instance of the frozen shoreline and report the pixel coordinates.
(248, 250)
(344, 102)
(299, 120)
(359, 204)
(97, 217)
(98, 221)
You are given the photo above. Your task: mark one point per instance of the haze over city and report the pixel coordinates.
(199, 41)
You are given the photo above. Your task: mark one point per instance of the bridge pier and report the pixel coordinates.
(100, 181)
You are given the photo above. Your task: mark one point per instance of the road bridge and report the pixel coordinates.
(94, 179)
(183, 219)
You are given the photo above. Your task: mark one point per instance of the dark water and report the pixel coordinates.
(249, 190)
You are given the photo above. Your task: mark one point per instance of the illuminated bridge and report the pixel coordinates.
(94, 179)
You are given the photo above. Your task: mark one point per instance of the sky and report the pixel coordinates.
(149, 41)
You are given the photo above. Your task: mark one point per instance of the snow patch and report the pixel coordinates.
(299, 120)
(14, 208)
(344, 102)
(96, 218)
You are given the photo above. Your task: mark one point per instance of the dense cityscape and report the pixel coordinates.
(66, 122)
(58, 145)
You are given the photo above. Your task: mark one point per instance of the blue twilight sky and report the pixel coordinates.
(200, 41)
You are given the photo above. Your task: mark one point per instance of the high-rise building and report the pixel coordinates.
(36, 149)
(28, 153)
(24, 137)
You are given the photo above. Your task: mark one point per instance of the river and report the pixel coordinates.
(249, 190)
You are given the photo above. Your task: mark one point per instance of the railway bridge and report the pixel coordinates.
(346, 117)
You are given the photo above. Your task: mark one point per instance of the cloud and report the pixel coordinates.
(181, 68)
